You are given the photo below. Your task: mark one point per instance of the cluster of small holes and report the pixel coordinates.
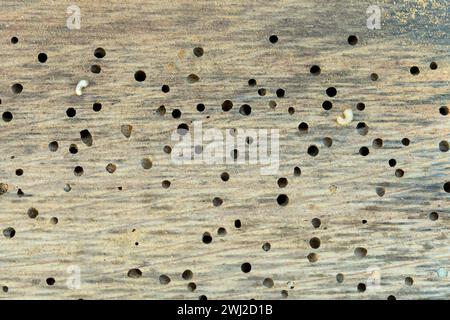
(245, 110)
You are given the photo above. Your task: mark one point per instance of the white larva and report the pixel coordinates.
(80, 86)
(345, 118)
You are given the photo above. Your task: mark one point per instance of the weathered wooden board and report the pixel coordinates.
(111, 223)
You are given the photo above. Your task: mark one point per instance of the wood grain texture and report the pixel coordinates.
(99, 225)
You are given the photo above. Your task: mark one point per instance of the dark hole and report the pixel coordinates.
(32, 213)
(409, 281)
(280, 93)
(206, 238)
(297, 171)
(73, 149)
(245, 110)
(443, 146)
(361, 287)
(50, 281)
(191, 286)
(165, 88)
(246, 267)
(331, 91)
(200, 107)
(360, 106)
(362, 128)
(315, 70)
(405, 142)
(282, 182)
(134, 273)
(227, 105)
(146, 163)
(166, 184)
(42, 57)
(71, 112)
(192, 78)
(360, 252)
(163, 279)
(217, 202)
(291, 110)
(312, 257)
(221, 231)
(53, 146)
(99, 53)
(161, 110)
(198, 51)
(314, 242)
(377, 143)
(380, 191)
(447, 187)
(316, 222)
(140, 76)
(14, 40)
(182, 129)
(176, 113)
(364, 151)
(433, 65)
(97, 106)
(167, 149)
(17, 88)
(414, 70)
(252, 82)
(7, 116)
(327, 142)
(327, 105)
(443, 110)
(86, 137)
(95, 68)
(433, 216)
(19, 172)
(111, 168)
(392, 162)
(262, 92)
(352, 40)
(266, 246)
(237, 223)
(282, 200)
(268, 283)
(313, 150)
(187, 275)
(78, 171)
(374, 77)
(9, 232)
(399, 173)
(224, 176)
(303, 127)
(273, 39)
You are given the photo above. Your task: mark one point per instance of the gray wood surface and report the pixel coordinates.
(106, 231)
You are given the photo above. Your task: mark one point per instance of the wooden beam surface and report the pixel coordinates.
(355, 226)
